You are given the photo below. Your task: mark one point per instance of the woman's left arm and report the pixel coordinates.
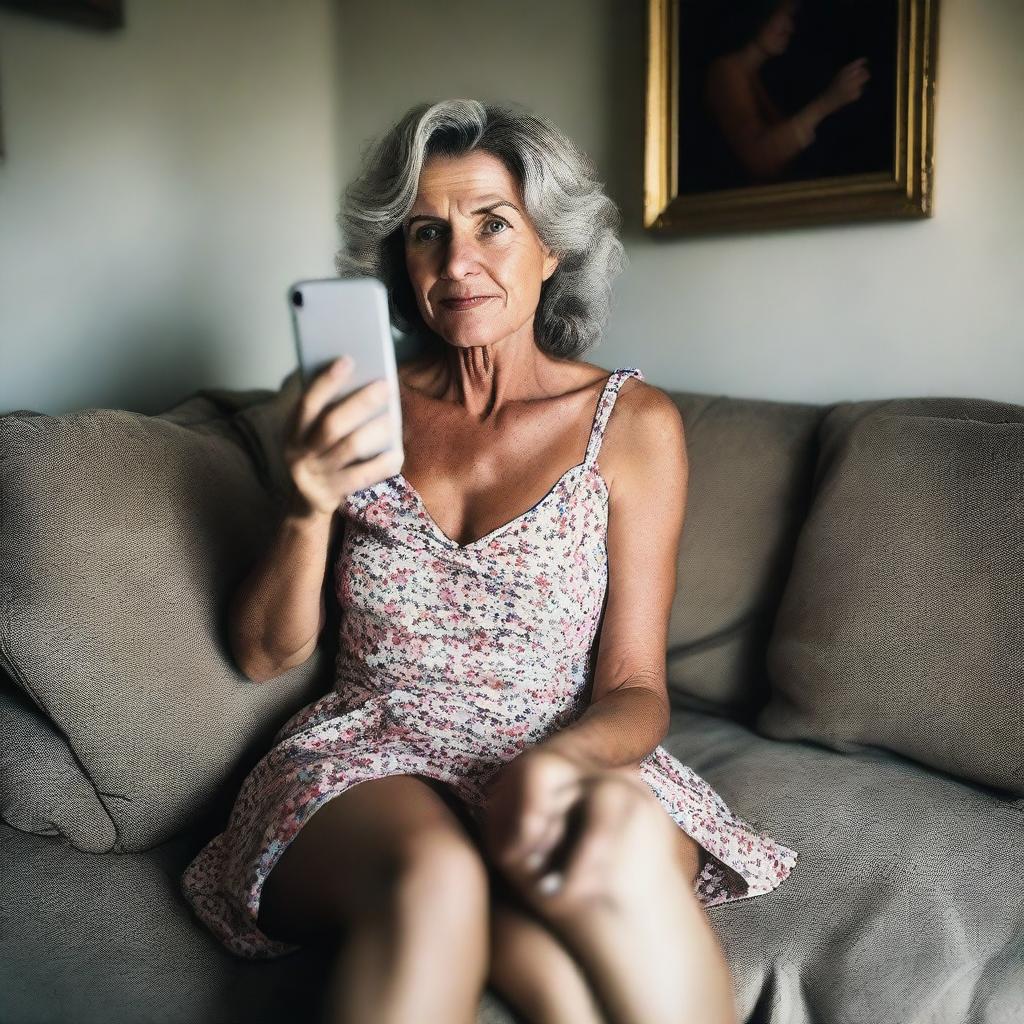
(628, 714)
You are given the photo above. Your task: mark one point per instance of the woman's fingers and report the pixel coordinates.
(315, 397)
(526, 837)
(347, 416)
(604, 815)
(530, 791)
(552, 836)
(556, 832)
(600, 828)
(369, 472)
(335, 446)
(366, 441)
(540, 828)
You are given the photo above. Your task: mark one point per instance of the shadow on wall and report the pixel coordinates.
(147, 369)
(623, 112)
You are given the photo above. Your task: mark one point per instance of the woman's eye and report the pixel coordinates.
(422, 236)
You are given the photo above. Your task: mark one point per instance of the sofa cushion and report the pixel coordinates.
(110, 940)
(901, 622)
(751, 463)
(42, 786)
(123, 537)
(906, 902)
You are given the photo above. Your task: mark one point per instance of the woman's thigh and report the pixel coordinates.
(530, 965)
(340, 863)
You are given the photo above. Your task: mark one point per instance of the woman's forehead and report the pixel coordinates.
(465, 180)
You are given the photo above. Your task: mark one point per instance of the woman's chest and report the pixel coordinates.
(473, 479)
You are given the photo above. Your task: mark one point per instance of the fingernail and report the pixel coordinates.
(342, 364)
(550, 883)
(534, 860)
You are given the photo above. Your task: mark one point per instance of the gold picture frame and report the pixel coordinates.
(903, 189)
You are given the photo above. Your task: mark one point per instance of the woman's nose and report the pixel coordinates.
(461, 255)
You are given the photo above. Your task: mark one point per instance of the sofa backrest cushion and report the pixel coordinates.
(751, 463)
(901, 624)
(123, 536)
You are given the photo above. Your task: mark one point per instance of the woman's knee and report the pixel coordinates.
(435, 870)
(364, 849)
(649, 854)
(535, 972)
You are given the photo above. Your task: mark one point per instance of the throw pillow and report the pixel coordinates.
(123, 538)
(900, 626)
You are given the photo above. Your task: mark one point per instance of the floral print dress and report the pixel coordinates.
(452, 659)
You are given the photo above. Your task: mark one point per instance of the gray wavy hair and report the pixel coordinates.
(564, 200)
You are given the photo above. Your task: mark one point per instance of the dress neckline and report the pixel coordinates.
(588, 458)
(432, 522)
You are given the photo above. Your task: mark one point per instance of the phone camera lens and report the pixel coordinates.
(296, 298)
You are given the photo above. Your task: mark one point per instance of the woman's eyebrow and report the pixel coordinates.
(483, 209)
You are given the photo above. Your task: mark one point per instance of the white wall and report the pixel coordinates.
(163, 185)
(816, 314)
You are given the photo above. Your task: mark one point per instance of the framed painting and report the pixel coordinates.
(778, 113)
(92, 13)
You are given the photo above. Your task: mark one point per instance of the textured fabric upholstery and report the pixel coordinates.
(42, 786)
(907, 902)
(901, 625)
(749, 486)
(87, 939)
(123, 536)
(128, 729)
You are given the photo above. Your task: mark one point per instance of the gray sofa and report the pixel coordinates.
(846, 666)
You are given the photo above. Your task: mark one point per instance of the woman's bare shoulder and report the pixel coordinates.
(566, 376)
(642, 398)
(645, 418)
(726, 66)
(726, 80)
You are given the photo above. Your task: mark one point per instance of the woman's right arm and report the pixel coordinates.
(277, 613)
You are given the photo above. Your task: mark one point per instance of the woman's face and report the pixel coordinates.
(468, 235)
(777, 31)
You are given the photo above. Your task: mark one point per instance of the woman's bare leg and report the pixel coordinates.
(423, 955)
(530, 966)
(533, 970)
(386, 869)
(643, 938)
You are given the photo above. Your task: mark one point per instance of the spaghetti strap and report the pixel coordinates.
(604, 409)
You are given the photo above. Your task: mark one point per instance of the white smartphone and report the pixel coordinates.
(338, 316)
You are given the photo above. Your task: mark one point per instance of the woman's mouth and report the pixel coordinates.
(457, 304)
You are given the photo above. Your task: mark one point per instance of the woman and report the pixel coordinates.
(762, 138)
(479, 798)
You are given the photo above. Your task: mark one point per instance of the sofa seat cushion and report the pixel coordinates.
(906, 903)
(900, 626)
(108, 939)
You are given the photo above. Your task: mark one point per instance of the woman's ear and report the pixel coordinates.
(550, 264)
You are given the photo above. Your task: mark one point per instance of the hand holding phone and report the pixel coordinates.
(346, 432)
(327, 444)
